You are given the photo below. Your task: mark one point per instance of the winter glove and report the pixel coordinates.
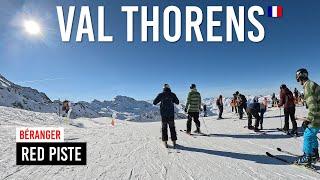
(305, 125)
(185, 110)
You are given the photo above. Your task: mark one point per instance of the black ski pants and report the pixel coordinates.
(168, 121)
(255, 114)
(290, 113)
(220, 111)
(195, 117)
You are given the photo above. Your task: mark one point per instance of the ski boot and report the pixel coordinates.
(197, 131)
(165, 144)
(256, 129)
(315, 158)
(250, 127)
(261, 127)
(294, 133)
(174, 144)
(304, 160)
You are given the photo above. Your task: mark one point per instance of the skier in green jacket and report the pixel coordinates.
(311, 124)
(193, 108)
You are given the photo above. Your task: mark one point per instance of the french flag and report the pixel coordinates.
(275, 11)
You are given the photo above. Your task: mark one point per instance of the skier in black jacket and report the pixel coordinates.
(219, 104)
(242, 105)
(167, 99)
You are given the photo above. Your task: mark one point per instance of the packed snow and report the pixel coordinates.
(133, 150)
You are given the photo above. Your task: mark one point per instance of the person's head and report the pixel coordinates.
(255, 99)
(193, 86)
(302, 76)
(237, 93)
(166, 87)
(283, 87)
(220, 97)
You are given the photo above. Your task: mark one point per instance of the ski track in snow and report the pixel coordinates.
(133, 150)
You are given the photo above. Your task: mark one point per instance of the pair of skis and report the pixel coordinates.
(194, 134)
(289, 134)
(310, 168)
(261, 132)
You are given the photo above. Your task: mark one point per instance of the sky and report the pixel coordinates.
(93, 70)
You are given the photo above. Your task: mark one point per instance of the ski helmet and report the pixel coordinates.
(193, 86)
(283, 86)
(302, 74)
(166, 86)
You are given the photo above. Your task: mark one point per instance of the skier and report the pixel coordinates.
(234, 104)
(296, 93)
(193, 107)
(287, 101)
(263, 109)
(274, 99)
(167, 99)
(219, 104)
(312, 123)
(253, 109)
(67, 108)
(242, 104)
(205, 110)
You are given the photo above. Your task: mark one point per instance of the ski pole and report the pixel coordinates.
(280, 118)
(205, 124)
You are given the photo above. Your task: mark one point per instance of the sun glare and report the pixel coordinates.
(32, 27)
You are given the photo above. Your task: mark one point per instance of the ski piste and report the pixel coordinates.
(312, 168)
(289, 134)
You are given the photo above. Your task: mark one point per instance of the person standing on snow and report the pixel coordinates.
(219, 104)
(67, 108)
(311, 124)
(287, 101)
(253, 109)
(263, 109)
(242, 104)
(274, 99)
(204, 110)
(193, 108)
(167, 100)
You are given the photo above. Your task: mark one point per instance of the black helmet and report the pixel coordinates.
(166, 86)
(237, 92)
(302, 74)
(193, 86)
(283, 86)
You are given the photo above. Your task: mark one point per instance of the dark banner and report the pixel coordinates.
(52, 153)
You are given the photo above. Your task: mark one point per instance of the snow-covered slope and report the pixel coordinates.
(132, 150)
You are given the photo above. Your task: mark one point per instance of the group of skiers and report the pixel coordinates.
(256, 109)
(167, 99)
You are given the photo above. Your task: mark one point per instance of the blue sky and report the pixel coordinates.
(87, 71)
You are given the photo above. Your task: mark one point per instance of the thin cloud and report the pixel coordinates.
(41, 80)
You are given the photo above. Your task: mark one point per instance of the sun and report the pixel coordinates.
(32, 27)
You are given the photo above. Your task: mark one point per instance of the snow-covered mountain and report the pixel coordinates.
(121, 107)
